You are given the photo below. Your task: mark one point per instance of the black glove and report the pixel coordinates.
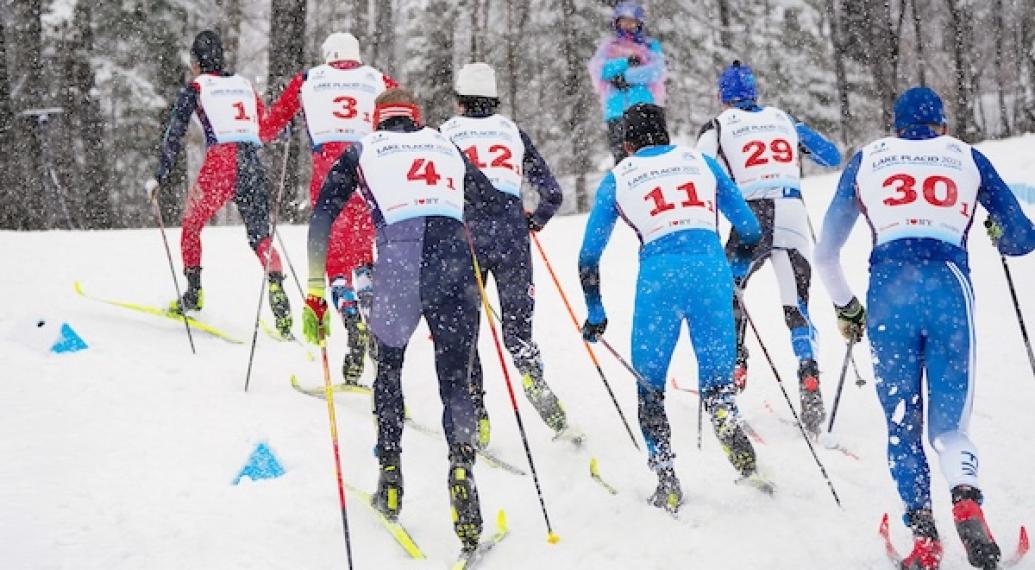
(634, 60)
(593, 331)
(534, 224)
(851, 319)
(620, 83)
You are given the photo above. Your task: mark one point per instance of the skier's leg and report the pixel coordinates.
(950, 357)
(744, 261)
(389, 409)
(349, 248)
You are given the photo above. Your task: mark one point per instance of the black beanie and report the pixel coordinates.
(645, 125)
(207, 50)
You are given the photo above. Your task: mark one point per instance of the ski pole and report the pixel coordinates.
(700, 414)
(787, 398)
(551, 537)
(840, 384)
(1017, 309)
(172, 270)
(328, 394)
(266, 263)
(291, 266)
(859, 380)
(589, 349)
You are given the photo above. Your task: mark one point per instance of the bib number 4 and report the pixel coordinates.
(422, 169)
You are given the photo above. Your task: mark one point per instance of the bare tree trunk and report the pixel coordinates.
(94, 200)
(286, 57)
(963, 43)
(361, 24)
(575, 89)
(27, 93)
(725, 26)
(837, 40)
(517, 18)
(437, 93)
(9, 213)
(1000, 77)
(1027, 60)
(921, 61)
(383, 56)
(885, 63)
(230, 30)
(474, 25)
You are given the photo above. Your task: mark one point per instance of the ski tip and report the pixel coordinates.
(1022, 542)
(552, 538)
(79, 288)
(594, 466)
(885, 526)
(501, 522)
(294, 380)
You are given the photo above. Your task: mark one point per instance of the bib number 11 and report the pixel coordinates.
(692, 201)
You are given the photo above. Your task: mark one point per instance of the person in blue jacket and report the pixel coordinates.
(628, 68)
(671, 197)
(760, 147)
(919, 192)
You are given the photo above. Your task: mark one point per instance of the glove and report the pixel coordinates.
(851, 319)
(634, 60)
(316, 320)
(620, 83)
(152, 188)
(533, 224)
(994, 231)
(592, 332)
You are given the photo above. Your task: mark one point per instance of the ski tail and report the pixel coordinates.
(469, 559)
(889, 547)
(594, 472)
(1023, 545)
(395, 529)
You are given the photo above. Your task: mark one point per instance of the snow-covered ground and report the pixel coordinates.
(122, 456)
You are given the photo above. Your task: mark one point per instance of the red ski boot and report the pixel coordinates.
(927, 549)
(982, 551)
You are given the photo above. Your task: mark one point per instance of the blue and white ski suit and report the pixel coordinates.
(919, 194)
(683, 273)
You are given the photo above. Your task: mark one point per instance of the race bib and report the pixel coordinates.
(339, 103)
(229, 105)
(761, 151)
(412, 175)
(918, 189)
(494, 145)
(663, 194)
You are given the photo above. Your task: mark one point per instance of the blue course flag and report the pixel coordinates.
(69, 341)
(262, 464)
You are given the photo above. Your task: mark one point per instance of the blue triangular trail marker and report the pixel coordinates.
(69, 341)
(262, 464)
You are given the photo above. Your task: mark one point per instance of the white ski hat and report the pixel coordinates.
(340, 46)
(476, 80)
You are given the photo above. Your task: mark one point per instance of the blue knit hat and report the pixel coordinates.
(630, 10)
(737, 83)
(919, 106)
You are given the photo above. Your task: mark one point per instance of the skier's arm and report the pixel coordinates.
(817, 147)
(598, 232)
(649, 71)
(172, 140)
(613, 67)
(837, 226)
(479, 193)
(1018, 233)
(733, 206)
(538, 174)
(708, 140)
(341, 182)
(283, 110)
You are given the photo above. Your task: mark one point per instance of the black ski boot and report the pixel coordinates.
(463, 497)
(668, 495)
(388, 497)
(927, 549)
(280, 305)
(740, 369)
(982, 551)
(352, 364)
(193, 299)
(812, 411)
(720, 404)
(542, 398)
(484, 435)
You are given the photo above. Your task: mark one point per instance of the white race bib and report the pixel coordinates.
(667, 193)
(412, 175)
(761, 151)
(229, 105)
(494, 145)
(339, 103)
(918, 188)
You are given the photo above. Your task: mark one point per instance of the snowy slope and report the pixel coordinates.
(121, 456)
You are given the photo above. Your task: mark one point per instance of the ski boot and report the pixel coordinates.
(344, 299)
(725, 419)
(740, 369)
(982, 551)
(668, 495)
(484, 434)
(388, 497)
(193, 299)
(812, 411)
(927, 549)
(280, 305)
(463, 497)
(538, 392)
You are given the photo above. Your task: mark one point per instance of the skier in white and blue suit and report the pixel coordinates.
(919, 191)
(671, 196)
(761, 147)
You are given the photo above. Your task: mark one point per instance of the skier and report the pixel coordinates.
(628, 68)
(338, 101)
(919, 191)
(506, 155)
(759, 147)
(669, 194)
(416, 181)
(229, 111)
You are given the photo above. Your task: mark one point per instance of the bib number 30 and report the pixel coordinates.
(940, 191)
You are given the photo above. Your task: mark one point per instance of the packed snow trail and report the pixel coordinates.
(122, 456)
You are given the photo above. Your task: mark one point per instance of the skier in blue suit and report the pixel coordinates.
(671, 196)
(760, 147)
(919, 192)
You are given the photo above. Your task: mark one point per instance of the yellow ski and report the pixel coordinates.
(393, 527)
